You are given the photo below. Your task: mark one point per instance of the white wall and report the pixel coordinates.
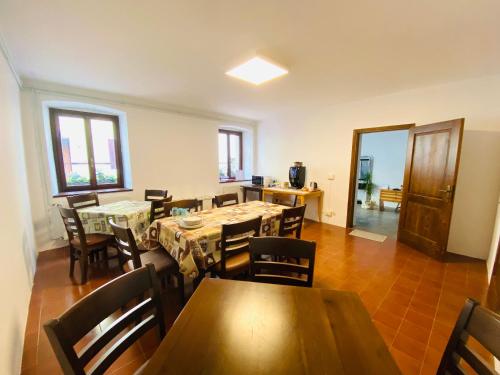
(325, 143)
(167, 150)
(16, 231)
(388, 152)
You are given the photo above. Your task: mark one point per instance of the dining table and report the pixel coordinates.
(240, 327)
(197, 249)
(130, 214)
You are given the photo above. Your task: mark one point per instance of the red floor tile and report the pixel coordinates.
(413, 299)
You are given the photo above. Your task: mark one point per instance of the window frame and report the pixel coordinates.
(54, 114)
(228, 132)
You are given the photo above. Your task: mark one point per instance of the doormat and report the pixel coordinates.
(368, 235)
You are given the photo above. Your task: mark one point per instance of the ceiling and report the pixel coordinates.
(178, 51)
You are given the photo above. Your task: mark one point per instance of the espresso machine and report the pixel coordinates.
(297, 175)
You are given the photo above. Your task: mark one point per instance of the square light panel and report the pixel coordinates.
(257, 71)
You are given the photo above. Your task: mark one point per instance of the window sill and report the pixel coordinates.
(229, 181)
(100, 191)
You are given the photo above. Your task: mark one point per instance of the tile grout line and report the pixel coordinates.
(434, 319)
(404, 318)
(397, 330)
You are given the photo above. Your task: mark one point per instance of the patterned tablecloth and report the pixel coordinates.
(131, 214)
(196, 249)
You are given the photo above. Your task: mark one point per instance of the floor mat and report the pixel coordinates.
(368, 235)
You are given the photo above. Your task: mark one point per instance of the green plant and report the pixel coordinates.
(369, 186)
(106, 178)
(76, 179)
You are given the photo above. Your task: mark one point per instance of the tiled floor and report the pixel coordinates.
(414, 300)
(376, 221)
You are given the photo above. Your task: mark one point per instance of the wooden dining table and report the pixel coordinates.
(238, 327)
(197, 249)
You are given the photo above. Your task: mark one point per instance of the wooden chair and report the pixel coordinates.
(291, 221)
(157, 209)
(151, 194)
(235, 258)
(165, 265)
(74, 324)
(281, 272)
(81, 245)
(284, 199)
(481, 324)
(190, 204)
(226, 200)
(83, 200)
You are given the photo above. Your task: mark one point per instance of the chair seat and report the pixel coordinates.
(160, 258)
(235, 262)
(148, 245)
(140, 370)
(93, 240)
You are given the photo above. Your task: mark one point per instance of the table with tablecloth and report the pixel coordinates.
(198, 249)
(130, 214)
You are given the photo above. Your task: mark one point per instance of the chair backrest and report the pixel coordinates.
(83, 200)
(69, 328)
(226, 199)
(157, 209)
(235, 238)
(284, 199)
(152, 194)
(274, 271)
(291, 221)
(481, 324)
(125, 242)
(190, 204)
(73, 224)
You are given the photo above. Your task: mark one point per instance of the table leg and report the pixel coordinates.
(320, 207)
(244, 195)
(302, 200)
(263, 196)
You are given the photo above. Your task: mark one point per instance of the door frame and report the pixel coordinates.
(353, 179)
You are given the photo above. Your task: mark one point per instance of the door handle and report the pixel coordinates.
(448, 189)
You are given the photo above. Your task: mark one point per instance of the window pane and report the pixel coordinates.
(74, 151)
(234, 151)
(222, 155)
(105, 160)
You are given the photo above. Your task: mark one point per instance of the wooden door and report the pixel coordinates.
(432, 161)
(493, 298)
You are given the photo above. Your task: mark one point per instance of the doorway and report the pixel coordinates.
(377, 174)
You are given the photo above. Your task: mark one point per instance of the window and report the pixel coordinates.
(230, 155)
(87, 150)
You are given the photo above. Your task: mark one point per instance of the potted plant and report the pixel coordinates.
(369, 191)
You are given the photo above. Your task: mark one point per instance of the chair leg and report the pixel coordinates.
(180, 285)
(121, 262)
(199, 278)
(84, 265)
(71, 262)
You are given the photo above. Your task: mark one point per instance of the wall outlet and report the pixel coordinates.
(329, 213)
(331, 177)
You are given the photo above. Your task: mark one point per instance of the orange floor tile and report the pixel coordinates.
(413, 299)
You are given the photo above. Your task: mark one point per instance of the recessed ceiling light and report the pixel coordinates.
(257, 71)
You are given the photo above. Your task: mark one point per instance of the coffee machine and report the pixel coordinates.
(297, 175)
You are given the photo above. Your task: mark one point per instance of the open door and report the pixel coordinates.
(431, 170)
